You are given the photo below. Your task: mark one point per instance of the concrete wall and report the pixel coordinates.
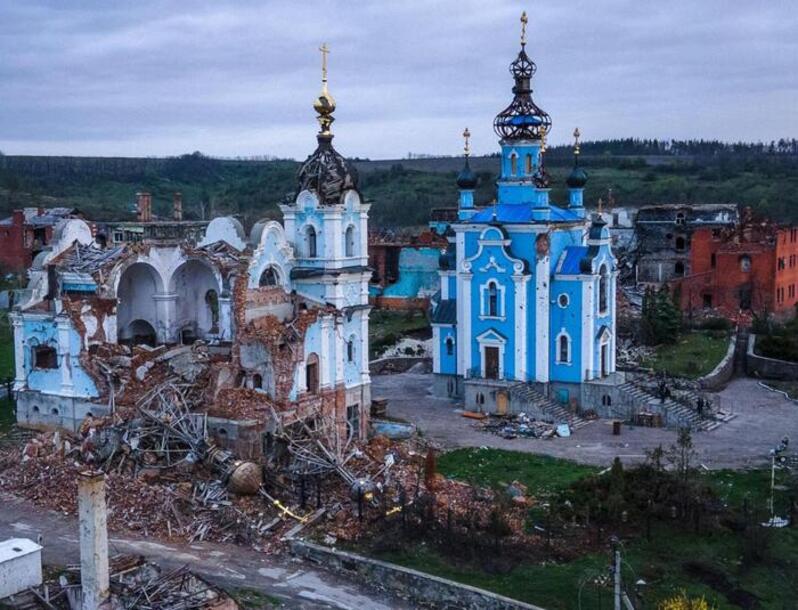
(420, 588)
(36, 409)
(718, 377)
(20, 566)
(768, 368)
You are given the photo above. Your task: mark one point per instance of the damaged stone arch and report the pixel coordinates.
(138, 286)
(198, 287)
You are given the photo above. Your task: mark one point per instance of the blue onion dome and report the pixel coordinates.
(467, 180)
(577, 178)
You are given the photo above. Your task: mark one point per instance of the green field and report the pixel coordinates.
(6, 371)
(674, 559)
(693, 355)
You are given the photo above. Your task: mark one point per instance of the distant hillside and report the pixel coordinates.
(764, 176)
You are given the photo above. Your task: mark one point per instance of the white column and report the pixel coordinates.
(588, 322)
(444, 279)
(542, 284)
(436, 349)
(613, 329)
(333, 237)
(19, 351)
(166, 312)
(364, 238)
(520, 317)
(64, 326)
(92, 522)
(464, 323)
(225, 318)
(327, 341)
(339, 352)
(365, 374)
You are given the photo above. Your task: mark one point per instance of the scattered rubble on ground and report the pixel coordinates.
(520, 425)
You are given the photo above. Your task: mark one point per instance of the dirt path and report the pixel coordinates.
(763, 418)
(296, 583)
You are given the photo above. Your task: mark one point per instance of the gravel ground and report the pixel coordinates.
(763, 418)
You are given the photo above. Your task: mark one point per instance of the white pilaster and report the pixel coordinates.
(588, 324)
(365, 375)
(436, 349)
(340, 348)
(225, 318)
(464, 323)
(542, 283)
(520, 317)
(64, 363)
(166, 312)
(327, 340)
(19, 351)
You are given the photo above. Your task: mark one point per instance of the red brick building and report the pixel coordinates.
(26, 233)
(750, 268)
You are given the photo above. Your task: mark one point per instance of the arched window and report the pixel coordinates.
(493, 300)
(350, 350)
(745, 263)
(563, 349)
(681, 244)
(312, 374)
(678, 268)
(212, 301)
(604, 289)
(349, 241)
(680, 218)
(257, 381)
(449, 346)
(269, 277)
(529, 164)
(310, 236)
(513, 164)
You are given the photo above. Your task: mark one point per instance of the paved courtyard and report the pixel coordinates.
(763, 418)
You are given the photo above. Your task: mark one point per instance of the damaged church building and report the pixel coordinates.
(271, 326)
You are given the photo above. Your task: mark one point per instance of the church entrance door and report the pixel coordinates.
(501, 403)
(491, 362)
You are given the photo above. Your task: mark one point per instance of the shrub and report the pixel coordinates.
(715, 323)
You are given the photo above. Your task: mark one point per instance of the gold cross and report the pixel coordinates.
(324, 51)
(524, 21)
(467, 138)
(576, 140)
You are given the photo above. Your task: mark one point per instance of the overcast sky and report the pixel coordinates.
(151, 78)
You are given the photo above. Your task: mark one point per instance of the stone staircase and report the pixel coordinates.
(675, 413)
(525, 393)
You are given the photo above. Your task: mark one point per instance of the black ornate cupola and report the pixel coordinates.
(326, 172)
(522, 119)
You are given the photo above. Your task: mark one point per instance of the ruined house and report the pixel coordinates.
(281, 314)
(663, 238)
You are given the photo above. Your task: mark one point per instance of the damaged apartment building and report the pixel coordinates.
(663, 234)
(273, 325)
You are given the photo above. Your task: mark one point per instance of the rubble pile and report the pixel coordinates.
(633, 355)
(518, 425)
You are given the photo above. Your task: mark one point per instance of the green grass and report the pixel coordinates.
(249, 599)
(497, 468)
(6, 371)
(693, 355)
(388, 327)
(660, 562)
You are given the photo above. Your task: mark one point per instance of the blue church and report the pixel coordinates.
(526, 308)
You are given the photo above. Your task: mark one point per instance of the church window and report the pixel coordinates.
(513, 164)
(45, 357)
(745, 263)
(713, 260)
(681, 244)
(349, 241)
(312, 374)
(563, 349)
(680, 218)
(529, 164)
(269, 277)
(493, 300)
(350, 349)
(678, 268)
(311, 242)
(563, 300)
(449, 346)
(604, 289)
(257, 381)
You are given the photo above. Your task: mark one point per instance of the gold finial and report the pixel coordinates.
(325, 103)
(600, 205)
(576, 140)
(467, 146)
(543, 144)
(524, 21)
